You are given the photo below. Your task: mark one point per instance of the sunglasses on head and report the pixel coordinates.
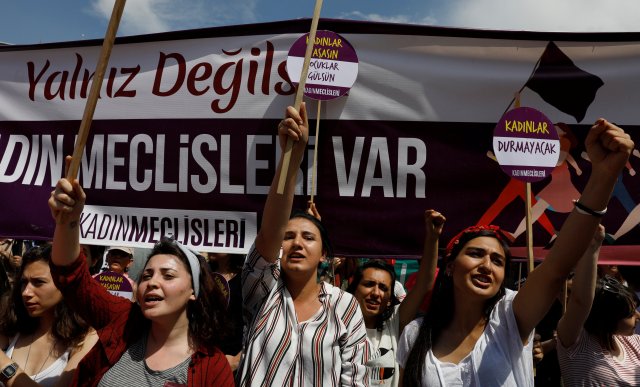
(610, 285)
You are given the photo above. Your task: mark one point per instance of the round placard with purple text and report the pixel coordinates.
(116, 283)
(526, 144)
(333, 68)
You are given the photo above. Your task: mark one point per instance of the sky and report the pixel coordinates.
(45, 21)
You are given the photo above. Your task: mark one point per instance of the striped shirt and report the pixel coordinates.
(585, 363)
(329, 349)
(132, 370)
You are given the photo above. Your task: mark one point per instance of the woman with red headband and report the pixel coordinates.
(476, 332)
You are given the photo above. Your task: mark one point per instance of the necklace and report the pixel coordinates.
(45, 360)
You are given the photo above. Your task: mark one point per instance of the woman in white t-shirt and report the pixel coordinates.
(478, 333)
(39, 334)
(596, 342)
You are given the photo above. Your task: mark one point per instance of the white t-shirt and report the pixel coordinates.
(383, 369)
(48, 377)
(498, 358)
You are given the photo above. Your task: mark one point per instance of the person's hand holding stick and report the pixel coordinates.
(299, 93)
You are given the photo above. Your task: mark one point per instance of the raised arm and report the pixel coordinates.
(609, 148)
(582, 291)
(66, 203)
(277, 208)
(433, 222)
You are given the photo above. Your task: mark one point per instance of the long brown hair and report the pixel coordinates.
(441, 310)
(68, 327)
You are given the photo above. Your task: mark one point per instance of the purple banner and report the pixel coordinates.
(184, 143)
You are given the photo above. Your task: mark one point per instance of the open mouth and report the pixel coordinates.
(151, 300)
(482, 281)
(372, 304)
(296, 256)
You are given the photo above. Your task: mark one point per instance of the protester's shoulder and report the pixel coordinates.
(633, 340)
(89, 340)
(509, 294)
(341, 303)
(410, 331)
(79, 351)
(255, 260)
(337, 295)
(414, 324)
(216, 367)
(503, 308)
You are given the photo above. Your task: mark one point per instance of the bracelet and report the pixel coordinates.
(584, 210)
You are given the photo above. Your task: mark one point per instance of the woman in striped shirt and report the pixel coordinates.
(301, 332)
(596, 341)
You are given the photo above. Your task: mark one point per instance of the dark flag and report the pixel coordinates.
(562, 84)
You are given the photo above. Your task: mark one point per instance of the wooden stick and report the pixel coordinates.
(527, 202)
(529, 226)
(94, 93)
(565, 296)
(299, 93)
(315, 153)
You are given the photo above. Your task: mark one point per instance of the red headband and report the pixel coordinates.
(500, 234)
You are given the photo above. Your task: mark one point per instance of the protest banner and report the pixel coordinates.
(187, 122)
(96, 85)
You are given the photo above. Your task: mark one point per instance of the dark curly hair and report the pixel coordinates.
(357, 277)
(441, 310)
(207, 322)
(68, 327)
